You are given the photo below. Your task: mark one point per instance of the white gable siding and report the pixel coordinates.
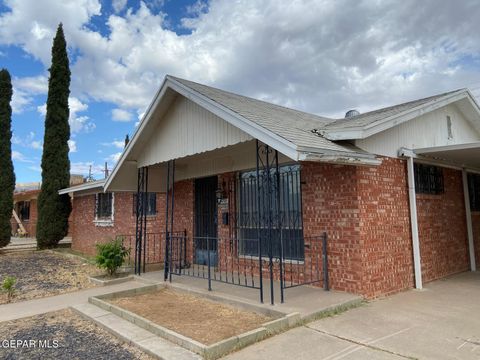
(425, 131)
(188, 129)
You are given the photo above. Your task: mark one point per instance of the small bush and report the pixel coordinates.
(111, 255)
(8, 286)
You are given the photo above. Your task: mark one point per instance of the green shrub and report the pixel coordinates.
(111, 255)
(8, 286)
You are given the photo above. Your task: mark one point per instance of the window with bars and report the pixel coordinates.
(428, 179)
(103, 206)
(151, 204)
(253, 223)
(474, 191)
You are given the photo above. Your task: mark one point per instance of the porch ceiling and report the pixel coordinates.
(463, 155)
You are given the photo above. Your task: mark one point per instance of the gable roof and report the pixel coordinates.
(292, 125)
(286, 130)
(364, 125)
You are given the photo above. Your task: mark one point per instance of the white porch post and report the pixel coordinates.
(414, 224)
(468, 214)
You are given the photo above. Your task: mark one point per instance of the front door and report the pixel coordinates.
(205, 220)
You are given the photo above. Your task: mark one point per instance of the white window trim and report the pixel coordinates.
(105, 222)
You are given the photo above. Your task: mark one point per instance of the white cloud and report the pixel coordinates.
(113, 158)
(116, 143)
(78, 123)
(20, 101)
(17, 155)
(28, 141)
(84, 168)
(341, 54)
(32, 84)
(36, 145)
(119, 5)
(36, 168)
(121, 115)
(72, 145)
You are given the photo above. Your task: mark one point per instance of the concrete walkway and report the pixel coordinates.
(39, 306)
(440, 322)
(27, 244)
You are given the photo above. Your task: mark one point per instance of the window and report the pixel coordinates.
(151, 204)
(253, 223)
(474, 191)
(23, 210)
(428, 179)
(104, 206)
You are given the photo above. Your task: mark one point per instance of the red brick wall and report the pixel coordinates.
(330, 203)
(385, 228)
(442, 229)
(86, 234)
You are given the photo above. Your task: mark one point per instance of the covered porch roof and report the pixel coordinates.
(461, 155)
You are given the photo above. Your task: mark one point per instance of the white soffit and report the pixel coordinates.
(463, 155)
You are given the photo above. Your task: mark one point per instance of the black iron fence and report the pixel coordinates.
(152, 245)
(223, 259)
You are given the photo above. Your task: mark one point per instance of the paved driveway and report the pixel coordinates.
(440, 322)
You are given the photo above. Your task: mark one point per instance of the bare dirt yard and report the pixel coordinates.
(62, 335)
(193, 316)
(45, 273)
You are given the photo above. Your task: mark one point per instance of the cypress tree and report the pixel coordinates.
(54, 209)
(7, 176)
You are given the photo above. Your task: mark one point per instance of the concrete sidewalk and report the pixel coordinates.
(52, 303)
(440, 322)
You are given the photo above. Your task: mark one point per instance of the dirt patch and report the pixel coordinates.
(74, 337)
(45, 273)
(195, 317)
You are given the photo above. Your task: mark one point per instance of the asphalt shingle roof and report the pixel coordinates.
(379, 114)
(292, 125)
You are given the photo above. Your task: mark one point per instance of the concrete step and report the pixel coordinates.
(134, 335)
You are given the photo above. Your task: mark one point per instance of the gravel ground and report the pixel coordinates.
(45, 273)
(75, 337)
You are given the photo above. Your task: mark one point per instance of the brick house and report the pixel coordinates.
(246, 190)
(25, 198)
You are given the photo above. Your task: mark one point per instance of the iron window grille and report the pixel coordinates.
(151, 208)
(252, 223)
(103, 206)
(474, 191)
(428, 179)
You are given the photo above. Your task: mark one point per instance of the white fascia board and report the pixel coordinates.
(340, 158)
(254, 130)
(362, 132)
(82, 187)
(432, 149)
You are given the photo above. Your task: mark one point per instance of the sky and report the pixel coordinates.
(319, 56)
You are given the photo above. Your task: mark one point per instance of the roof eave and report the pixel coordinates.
(340, 157)
(82, 187)
(362, 132)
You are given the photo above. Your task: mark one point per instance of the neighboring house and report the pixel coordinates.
(396, 190)
(25, 207)
(98, 217)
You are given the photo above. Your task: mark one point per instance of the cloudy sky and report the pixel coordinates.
(320, 56)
